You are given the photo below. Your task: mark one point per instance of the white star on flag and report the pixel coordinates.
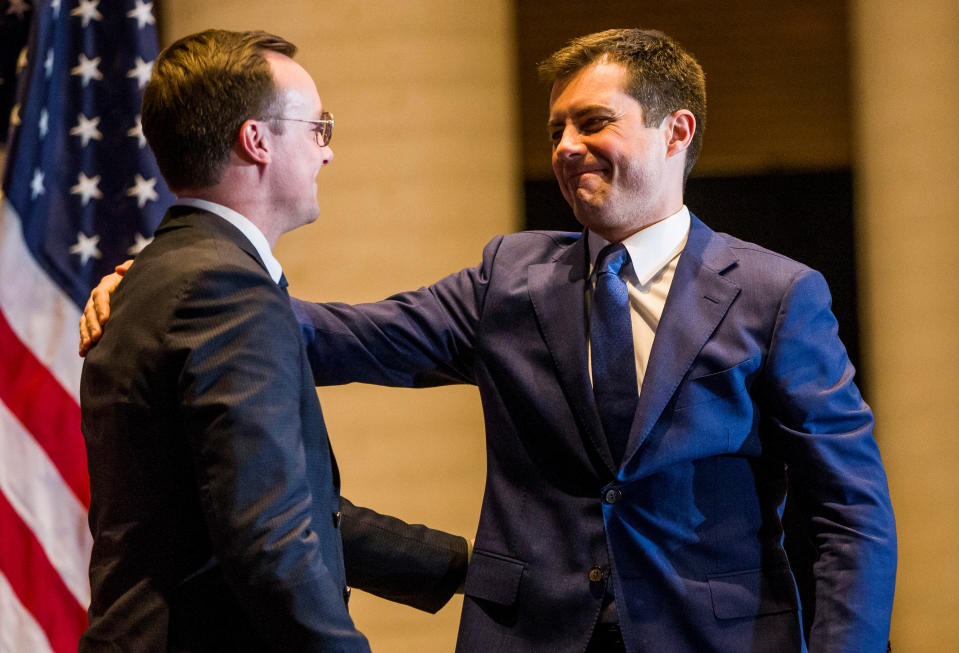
(137, 247)
(44, 123)
(55, 5)
(87, 188)
(141, 71)
(87, 68)
(87, 10)
(143, 12)
(143, 190)
(86, 247)
(87, 130)
(36, 184)
(48, 63)
(137, 132)
(18, 7)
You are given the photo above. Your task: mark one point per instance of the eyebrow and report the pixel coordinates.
(578, 113)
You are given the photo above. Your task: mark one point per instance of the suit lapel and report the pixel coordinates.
(698, 299)
(557, 291)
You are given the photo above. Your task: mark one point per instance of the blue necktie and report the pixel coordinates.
(611, 346)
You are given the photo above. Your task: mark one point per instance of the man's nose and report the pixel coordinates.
(570, 143)
(327, 155)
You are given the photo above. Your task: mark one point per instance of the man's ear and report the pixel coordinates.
(254, 141)
(680, 127)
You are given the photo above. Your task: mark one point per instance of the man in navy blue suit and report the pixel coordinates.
(652, 390)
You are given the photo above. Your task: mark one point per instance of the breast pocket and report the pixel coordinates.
(716, 385)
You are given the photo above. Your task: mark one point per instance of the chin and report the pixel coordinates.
(590, 215)
(602, 225)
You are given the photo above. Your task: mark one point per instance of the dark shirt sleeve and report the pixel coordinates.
(407, 563)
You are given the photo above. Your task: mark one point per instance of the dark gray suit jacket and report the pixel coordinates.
(215, 504)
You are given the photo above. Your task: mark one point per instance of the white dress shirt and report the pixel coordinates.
(250, 230)
(654, 253)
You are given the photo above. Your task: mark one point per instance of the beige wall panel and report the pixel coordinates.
(908, 163)
(425, 173)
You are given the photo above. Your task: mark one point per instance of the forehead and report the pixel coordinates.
(598, 84)
(295, 85)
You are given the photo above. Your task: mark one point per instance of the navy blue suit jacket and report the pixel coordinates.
(749, 392)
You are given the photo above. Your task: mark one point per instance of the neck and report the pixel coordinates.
(618, 232)
(237, 201)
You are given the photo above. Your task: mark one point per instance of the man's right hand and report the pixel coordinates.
(97, 310)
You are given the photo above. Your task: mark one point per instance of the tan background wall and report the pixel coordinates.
(425, 173)
(907, 156)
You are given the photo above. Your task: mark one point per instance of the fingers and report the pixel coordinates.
(89, 328)
(84, 346)
(99, 303)
(97, 309)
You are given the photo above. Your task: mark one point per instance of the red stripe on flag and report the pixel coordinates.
(37, 584)
(49, 413)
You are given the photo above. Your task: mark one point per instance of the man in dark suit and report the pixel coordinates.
(215, 504)
(651, 389)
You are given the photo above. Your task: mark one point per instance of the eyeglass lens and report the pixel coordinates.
(324, 129)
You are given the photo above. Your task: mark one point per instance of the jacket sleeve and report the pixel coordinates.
(239, 392)
(421, 338)
(407, 563)
(836, 476)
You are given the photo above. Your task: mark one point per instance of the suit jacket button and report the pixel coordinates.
(346, 594)
(596, 574)
(612, 496)
(337, 518)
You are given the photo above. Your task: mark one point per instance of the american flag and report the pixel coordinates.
(81, 192)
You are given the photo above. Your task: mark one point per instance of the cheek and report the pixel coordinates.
(558, 173)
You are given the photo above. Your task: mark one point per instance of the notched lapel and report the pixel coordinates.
(557, 291)
(698, 300)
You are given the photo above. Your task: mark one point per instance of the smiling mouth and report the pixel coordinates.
(579, 174)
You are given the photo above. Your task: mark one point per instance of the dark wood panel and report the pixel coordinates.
(777, 75)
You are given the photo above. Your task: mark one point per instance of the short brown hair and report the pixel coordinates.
(204, 86)
(663, 77)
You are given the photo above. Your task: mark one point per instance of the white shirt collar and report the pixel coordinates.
(250, 230)
(652, 248)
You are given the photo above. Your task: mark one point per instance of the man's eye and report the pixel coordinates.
(591, 125)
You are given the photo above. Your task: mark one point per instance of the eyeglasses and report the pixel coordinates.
(322, 128)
